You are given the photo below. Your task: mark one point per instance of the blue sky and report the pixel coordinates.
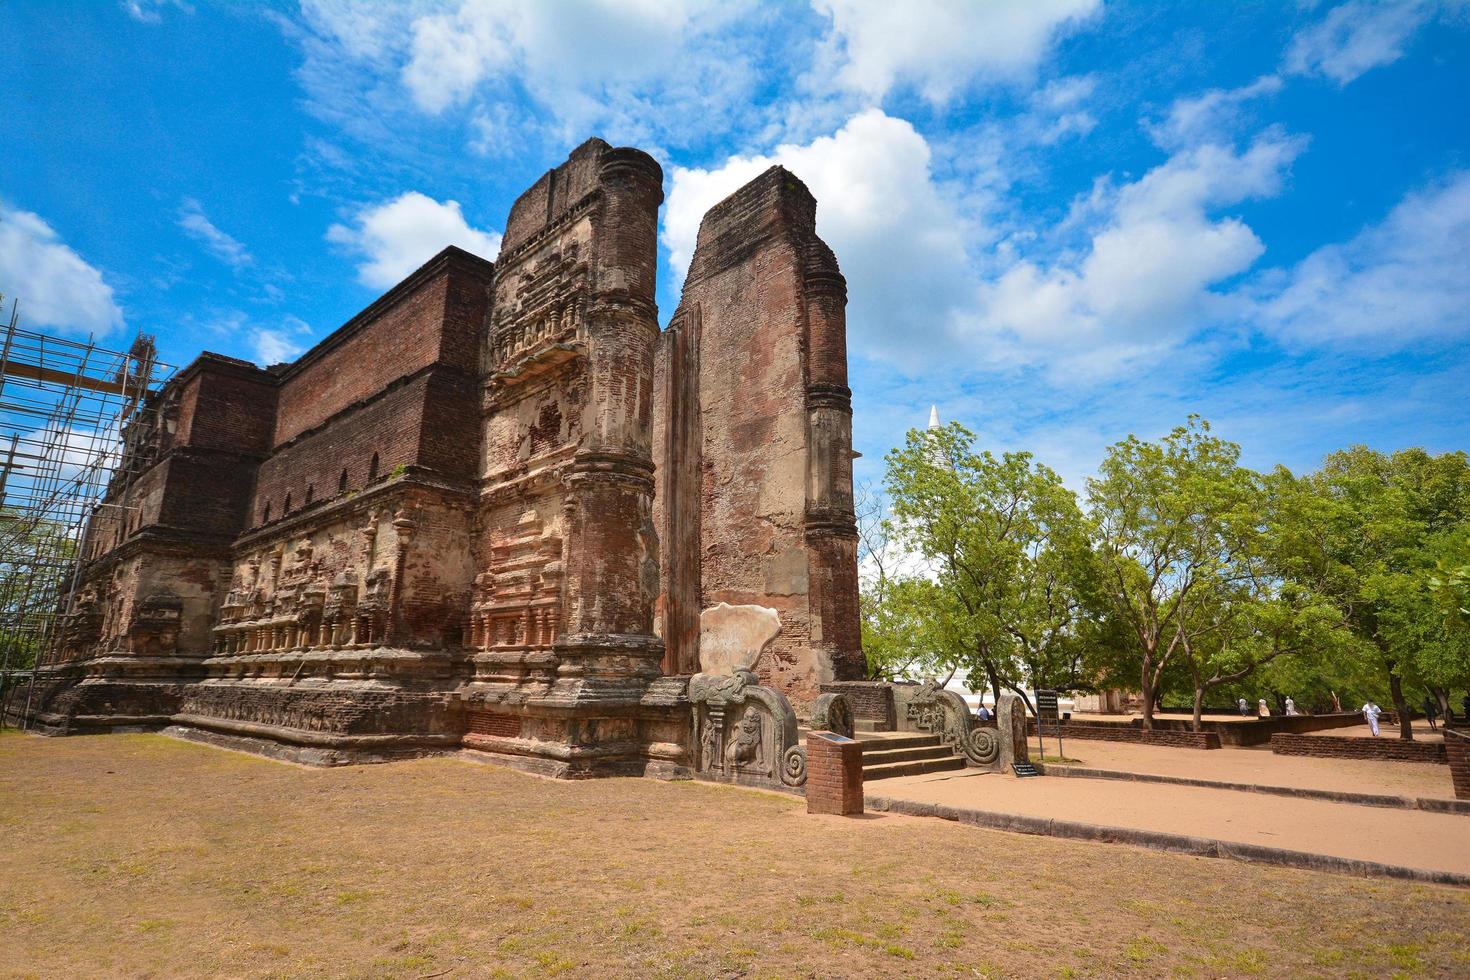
(1061, 220)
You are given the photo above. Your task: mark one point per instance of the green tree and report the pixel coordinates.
(1390, 519)
(1003, 544)
(1177, 526)
(895, 600)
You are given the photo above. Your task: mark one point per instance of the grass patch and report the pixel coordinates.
(149, 856)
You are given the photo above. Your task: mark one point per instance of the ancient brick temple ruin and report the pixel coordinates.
(489, 511)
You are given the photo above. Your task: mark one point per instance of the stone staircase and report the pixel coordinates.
(908, 754)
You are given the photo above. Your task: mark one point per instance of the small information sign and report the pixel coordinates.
(1046, 710)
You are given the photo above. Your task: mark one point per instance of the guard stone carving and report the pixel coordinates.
(743, 732)
(944, 713)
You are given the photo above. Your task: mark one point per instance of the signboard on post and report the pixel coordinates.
(1046, 710)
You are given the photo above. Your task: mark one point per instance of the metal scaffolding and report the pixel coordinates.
(64, 408)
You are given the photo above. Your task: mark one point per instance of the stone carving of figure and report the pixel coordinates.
(707, 759)
(745, 745)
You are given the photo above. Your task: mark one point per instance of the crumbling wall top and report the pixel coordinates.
(776, 202)
(563, 187)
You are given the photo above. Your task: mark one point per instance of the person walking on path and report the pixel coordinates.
(1290, 706)
(1245, 708)
(1371, 712)
(1431, 710)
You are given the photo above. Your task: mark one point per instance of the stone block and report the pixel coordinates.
(733, 637)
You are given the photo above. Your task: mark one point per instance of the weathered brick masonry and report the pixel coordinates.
(438, 527)
(1457, 751)
(1109, 732)
(870, 701)
(753, 437)
(1332, 747)
(834, 775)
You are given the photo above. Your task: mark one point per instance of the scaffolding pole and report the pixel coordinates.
(66, 408)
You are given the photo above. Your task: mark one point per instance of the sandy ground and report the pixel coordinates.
(1422, 731)
(138, 855)
(1259, 765)
(1436, 841)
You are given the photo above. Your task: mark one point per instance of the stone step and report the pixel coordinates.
(919, 768)
(878, 757)
(882, 743)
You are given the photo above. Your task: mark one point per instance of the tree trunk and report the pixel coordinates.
(1396, 691)
(1442, 698)
(1199, 705)
(1147, 684)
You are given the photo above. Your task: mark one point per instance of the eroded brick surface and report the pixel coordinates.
(754, 440)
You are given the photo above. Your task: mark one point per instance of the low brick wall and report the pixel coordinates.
(869, 700)
(1109, 732)
(1258, 731)
(1457, 751)
(834, 774)
(1385, 748)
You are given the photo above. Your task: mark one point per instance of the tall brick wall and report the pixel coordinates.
(434, 317)
(754, 423)
(567, 552)
(227, 405)
(387, 427)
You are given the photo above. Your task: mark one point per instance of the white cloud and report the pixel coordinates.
(1210, 116)
(265, 344)
(1059, 110)
(1401, 280)
(636, 71)
(1143, 283)
(222, 246)
(898, 240)
(56, 287)
(939, 47)
(272, 345)
(151, 11)
(400, 235)
(1356, 37)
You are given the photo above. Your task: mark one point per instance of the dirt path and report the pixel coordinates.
(1415, 839)
(1261, 766)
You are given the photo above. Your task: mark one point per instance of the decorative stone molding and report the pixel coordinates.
(944, 713)
(743, 732)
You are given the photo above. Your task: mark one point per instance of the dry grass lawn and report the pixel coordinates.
(140, 855)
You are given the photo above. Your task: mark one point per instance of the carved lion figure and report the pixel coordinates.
(744, 748)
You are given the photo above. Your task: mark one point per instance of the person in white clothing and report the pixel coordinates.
(1290, 706)
(1371, 712)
